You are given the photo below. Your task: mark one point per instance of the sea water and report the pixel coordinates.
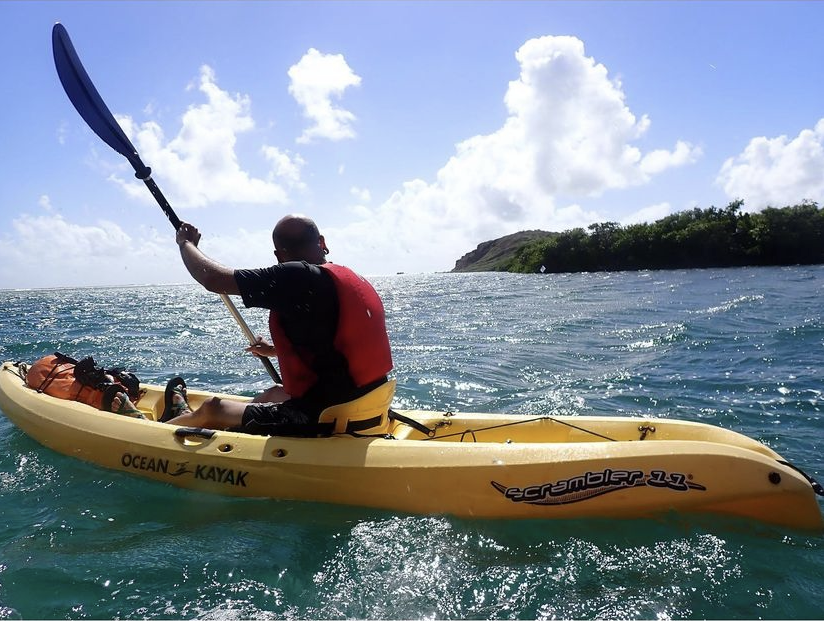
(738, 348)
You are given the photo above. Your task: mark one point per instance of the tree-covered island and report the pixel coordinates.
(697, 238)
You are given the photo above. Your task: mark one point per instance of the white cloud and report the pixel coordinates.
(648, 214)
(62, 130)
(285, 166)
(105, 253)
(315, 80)
(659, 160)
(576, 123)
(96, 254)
(569, 134)
(45, 203)
(362, 194)
(777, 171)
(199, 166)
(242, 248)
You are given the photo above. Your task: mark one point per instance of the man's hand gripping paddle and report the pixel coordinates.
(93, 109)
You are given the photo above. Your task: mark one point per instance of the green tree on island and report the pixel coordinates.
(697, 238)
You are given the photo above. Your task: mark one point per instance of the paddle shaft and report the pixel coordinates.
(164, 204)
(90, 105)
(270, 368)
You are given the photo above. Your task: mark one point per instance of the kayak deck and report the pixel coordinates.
(517, 428)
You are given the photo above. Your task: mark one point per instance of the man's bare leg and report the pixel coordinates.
(214, 413)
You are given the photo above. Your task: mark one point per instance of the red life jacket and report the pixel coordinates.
(360, 337)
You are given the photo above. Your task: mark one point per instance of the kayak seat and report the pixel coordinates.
(366, 414)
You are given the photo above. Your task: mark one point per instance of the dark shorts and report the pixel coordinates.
(296, 417)
(278, 419)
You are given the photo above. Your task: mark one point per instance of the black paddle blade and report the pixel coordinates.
(88, 102)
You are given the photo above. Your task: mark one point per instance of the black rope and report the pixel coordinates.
(519, 422)
(815, 484)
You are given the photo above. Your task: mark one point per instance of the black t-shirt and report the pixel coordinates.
(302, 294)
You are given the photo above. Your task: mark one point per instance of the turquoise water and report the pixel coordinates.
(741, 348)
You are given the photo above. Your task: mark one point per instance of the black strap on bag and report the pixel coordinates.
(89, 373)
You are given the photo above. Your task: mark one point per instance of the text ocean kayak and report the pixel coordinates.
(470, 465)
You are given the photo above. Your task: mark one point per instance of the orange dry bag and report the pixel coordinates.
(64, 377)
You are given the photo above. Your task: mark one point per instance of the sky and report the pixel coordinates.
(410, 131)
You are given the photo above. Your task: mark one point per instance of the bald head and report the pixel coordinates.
(297, 238)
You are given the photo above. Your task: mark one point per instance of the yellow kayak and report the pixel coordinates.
(468, 465)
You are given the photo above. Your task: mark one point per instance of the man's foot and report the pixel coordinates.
(176, 402)
(125, 407)
(180, 403)
(117, 402)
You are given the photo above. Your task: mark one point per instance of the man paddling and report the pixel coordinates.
(327, 324)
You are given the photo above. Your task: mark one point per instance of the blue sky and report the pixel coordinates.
(411, 131)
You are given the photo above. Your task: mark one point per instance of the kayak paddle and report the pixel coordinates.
(88, 102)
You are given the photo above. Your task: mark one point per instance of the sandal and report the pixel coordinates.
(126, 407)
(175, 386)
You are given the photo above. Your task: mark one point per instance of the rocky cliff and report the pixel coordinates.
(495, 255)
